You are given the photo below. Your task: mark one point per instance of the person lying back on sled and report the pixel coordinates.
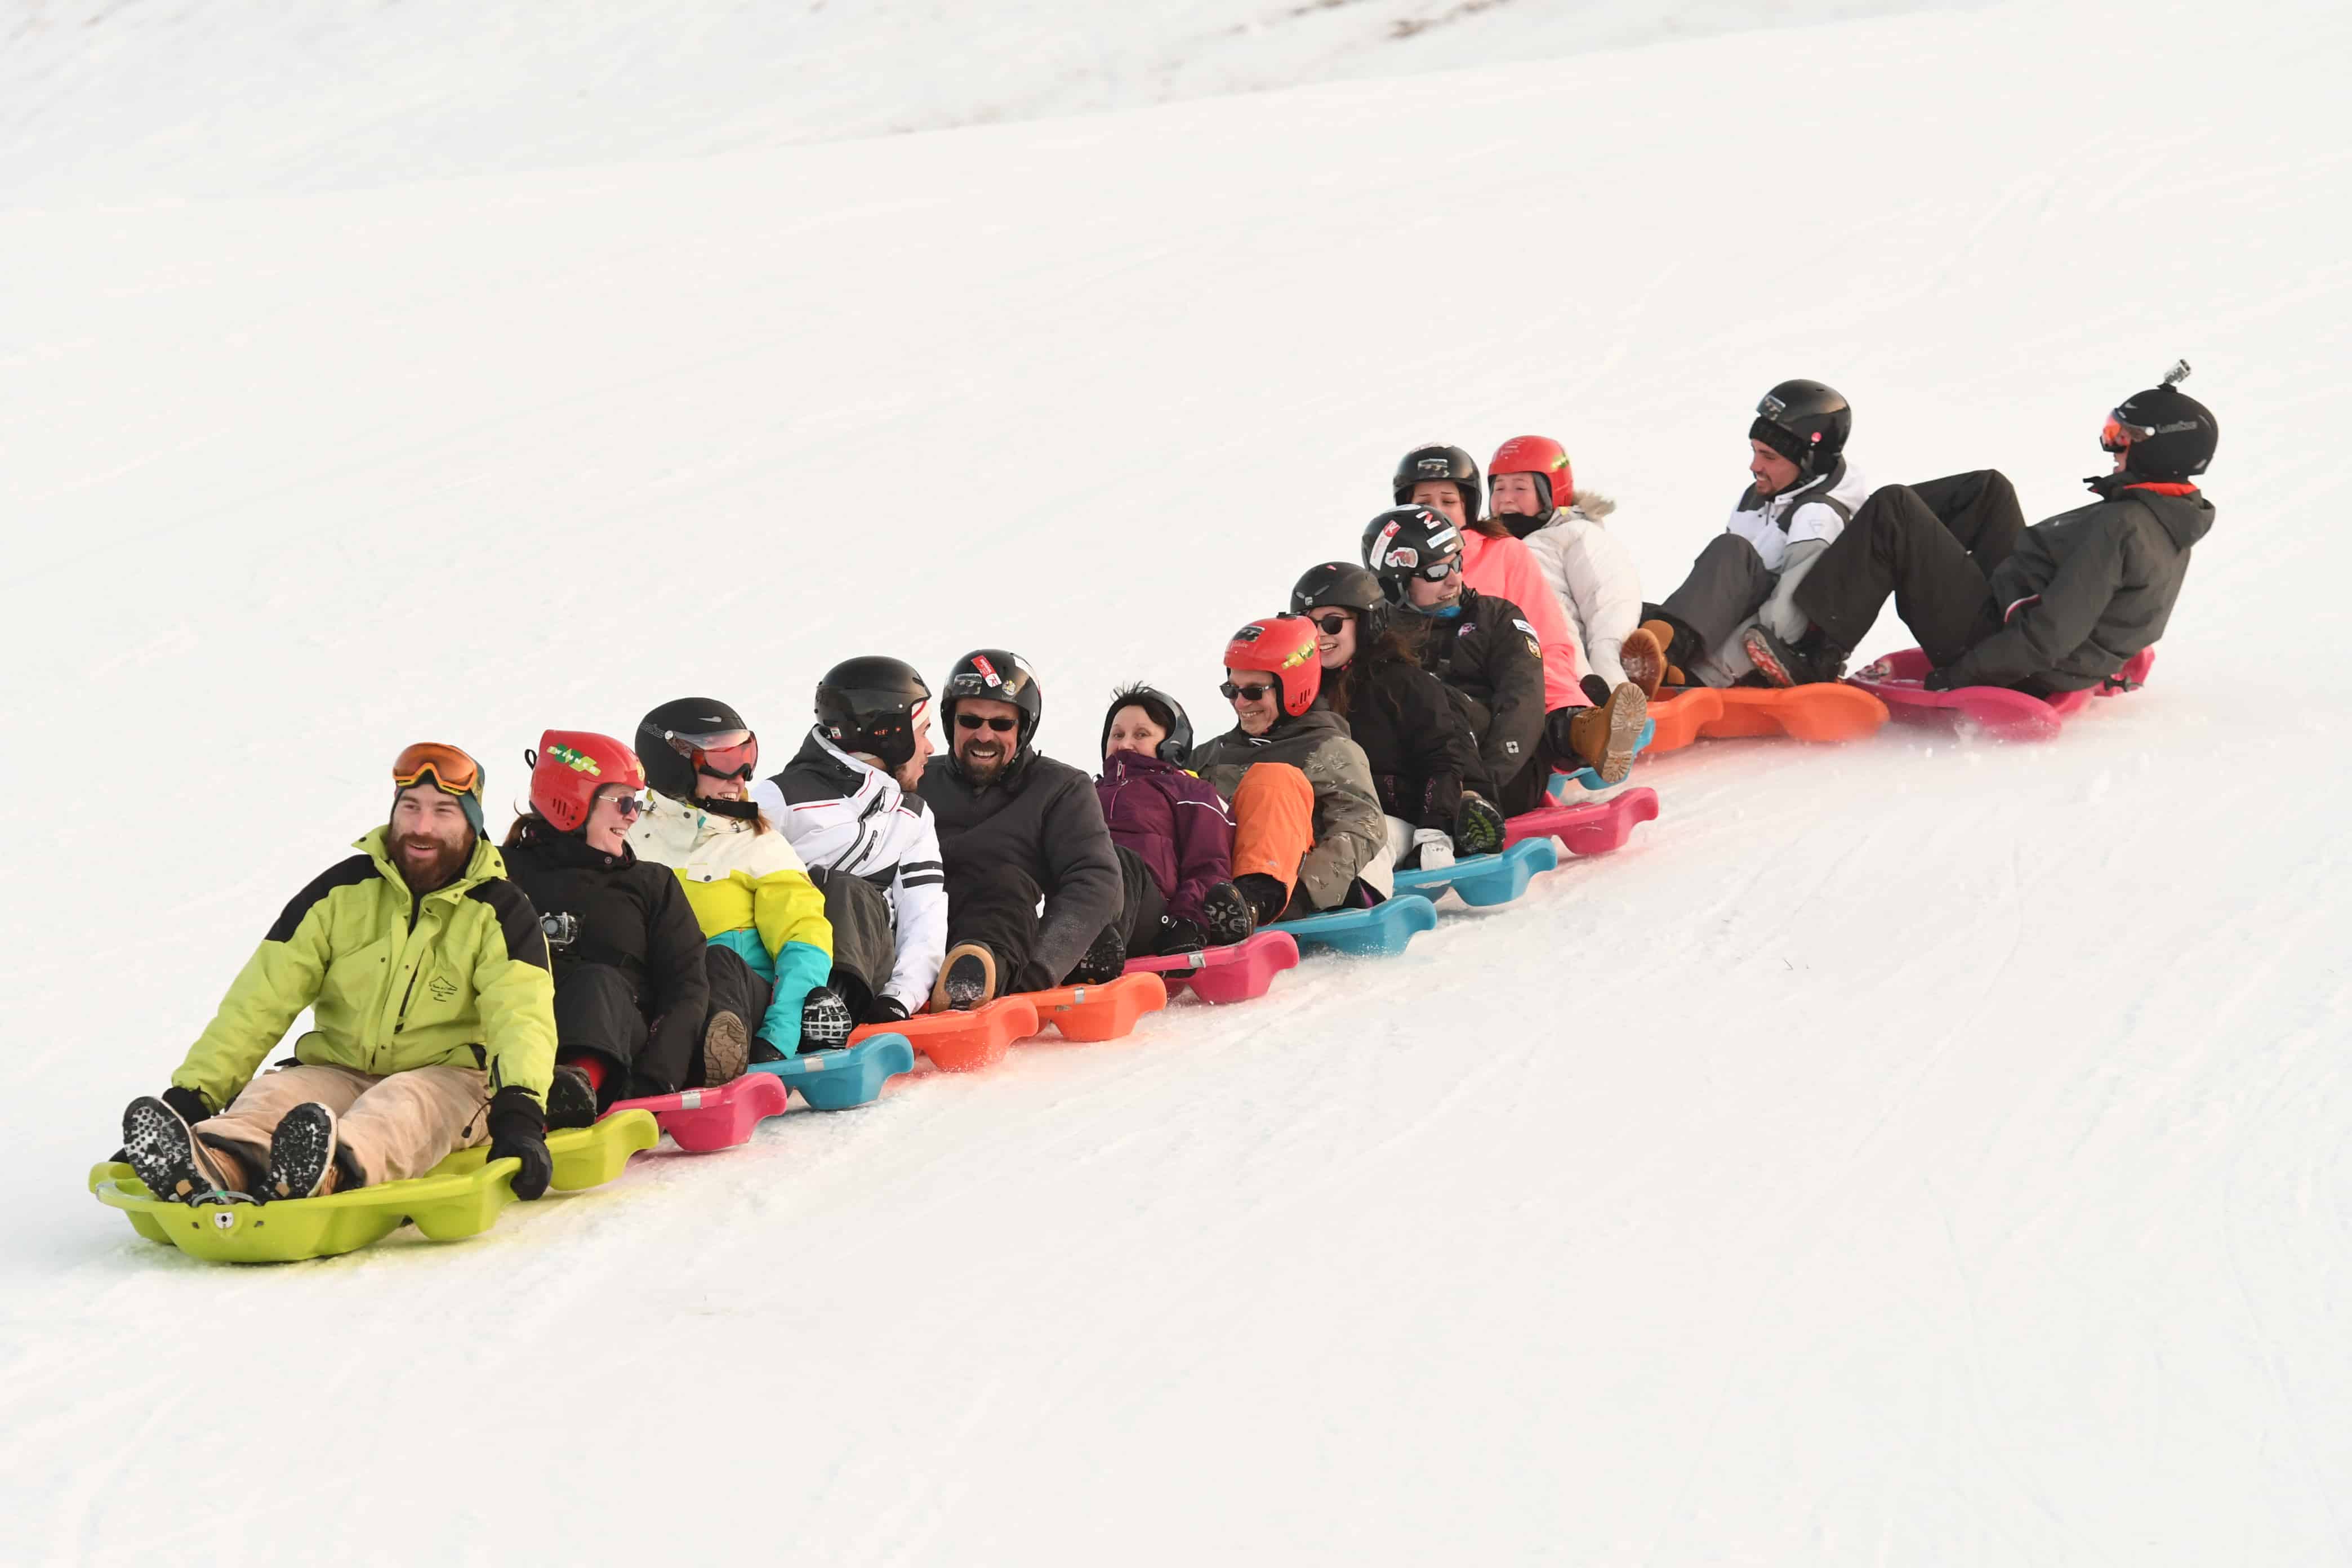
(847, 802)
(1309, 836)
(1171, 823)
(1802, 493)
(1481, 647)
(632, 1009)
(1532, 496)
(2059, 607)
(1018, 830)
(770, 947)
(426, 975)
(1432, 785)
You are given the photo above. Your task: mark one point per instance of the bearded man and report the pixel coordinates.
(428, 977)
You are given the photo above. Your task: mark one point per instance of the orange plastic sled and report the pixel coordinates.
(1100, 1012)
(1829, 711)
(964, 1042)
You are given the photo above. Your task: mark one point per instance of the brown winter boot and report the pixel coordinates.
(967, 980)
(1645, 658)
(1603, 738)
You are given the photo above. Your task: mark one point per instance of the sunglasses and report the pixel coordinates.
(1436, 572)
(451, 770)
(1252, 693)
(1332, 624)
(628, 805)
(997, 722)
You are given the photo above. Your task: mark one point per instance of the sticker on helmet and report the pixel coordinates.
(987, 670)
(1250, 633)
(1434, 468)
(577, 761)
(1443, 537)
(1404, 556)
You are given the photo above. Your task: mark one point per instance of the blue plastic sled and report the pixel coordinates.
(1381, 931)
(1484, 880)
(1563, 786)
(836, 1081)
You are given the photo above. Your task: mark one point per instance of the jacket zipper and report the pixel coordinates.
(400, 1020)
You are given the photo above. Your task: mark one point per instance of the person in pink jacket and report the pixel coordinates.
(1498, 565)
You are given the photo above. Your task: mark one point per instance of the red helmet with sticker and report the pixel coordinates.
(1538, 454)
(1284, 646)
(570, 767)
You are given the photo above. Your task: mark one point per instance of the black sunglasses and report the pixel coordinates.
(1247, 693)
(1332, 624)
(996, 721)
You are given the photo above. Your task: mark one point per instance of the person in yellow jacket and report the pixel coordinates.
(428, 974)
(772, 946)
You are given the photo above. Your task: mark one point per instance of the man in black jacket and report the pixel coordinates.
(2067, 603)
(1015, 828)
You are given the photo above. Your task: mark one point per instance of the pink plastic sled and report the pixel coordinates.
(2004, 714)
(1587, 829)
(704, 1119)
(1235, 973)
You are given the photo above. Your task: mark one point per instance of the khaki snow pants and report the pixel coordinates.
(396, 1126)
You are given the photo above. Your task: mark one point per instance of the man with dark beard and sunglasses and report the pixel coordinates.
(427, 975)
(1016, 828)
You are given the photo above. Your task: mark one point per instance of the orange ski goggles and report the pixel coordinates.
(451, 770)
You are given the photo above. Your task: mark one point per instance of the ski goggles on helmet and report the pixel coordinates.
(2119, 432)
(720, 753)
(451, 770)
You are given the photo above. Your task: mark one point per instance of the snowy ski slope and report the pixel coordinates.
(1918, 1152)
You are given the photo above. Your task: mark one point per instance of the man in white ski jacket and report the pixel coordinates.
(1803, 495)
(869, 839)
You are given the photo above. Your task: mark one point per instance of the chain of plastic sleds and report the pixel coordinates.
(464, 1195)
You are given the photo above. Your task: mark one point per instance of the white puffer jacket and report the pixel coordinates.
(1592, 574)
(1790, 532)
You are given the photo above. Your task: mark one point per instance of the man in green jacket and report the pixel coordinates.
(428, 974)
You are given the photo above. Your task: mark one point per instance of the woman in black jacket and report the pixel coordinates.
(1424, 757)
(630, 991)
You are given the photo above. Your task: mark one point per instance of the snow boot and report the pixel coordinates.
(726, 1048)
(1267, 898)
(170, 1161)
(1605, 737)
(1645, 658)
(1808, 661)
(1178, 934)
(1104, 959)
(1225, 912)
(967, 980)
(1477, 827)
(306, 1158)
(571, 1098)
(825, 1020)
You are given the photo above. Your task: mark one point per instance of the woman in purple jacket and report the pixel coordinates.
(1172, 821)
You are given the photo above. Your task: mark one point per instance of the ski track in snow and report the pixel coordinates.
(1917, 1151)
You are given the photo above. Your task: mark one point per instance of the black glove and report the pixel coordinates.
(1178, 934)
(825, 1021)
(519, 1132)
(1936, 680)
(885, 1009)
(188, 1104)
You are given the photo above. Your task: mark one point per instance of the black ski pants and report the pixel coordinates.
(864, 944)
(1530, 787)
(735, 987)
(996, 907)
(1727, 585)
(596, 1014)
(1933, 546)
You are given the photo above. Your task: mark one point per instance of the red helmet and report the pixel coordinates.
(570, 767)
(1285, 646)
(1538, 454)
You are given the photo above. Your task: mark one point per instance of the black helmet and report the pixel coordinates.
(1166, 713)
(872, 705)
(1339, 585)
(1406, 542)
(2166, 436)
(1440, 463)
(670, 737)
(999, 677)
(1806, 422)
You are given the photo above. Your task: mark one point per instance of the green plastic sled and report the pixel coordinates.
(460, 1197)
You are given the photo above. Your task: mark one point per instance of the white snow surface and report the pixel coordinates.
(1918, 1150)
